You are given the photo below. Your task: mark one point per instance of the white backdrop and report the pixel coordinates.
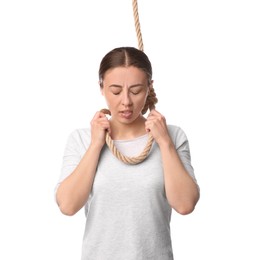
(204, 61)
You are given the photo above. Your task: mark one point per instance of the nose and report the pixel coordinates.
(126, 100)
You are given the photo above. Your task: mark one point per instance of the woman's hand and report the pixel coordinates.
(156, 124)
(99, 125)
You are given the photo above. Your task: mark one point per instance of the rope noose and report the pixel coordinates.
(109, 141)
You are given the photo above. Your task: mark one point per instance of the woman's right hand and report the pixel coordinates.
(99, 125)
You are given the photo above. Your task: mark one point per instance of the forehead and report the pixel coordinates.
(130, 74)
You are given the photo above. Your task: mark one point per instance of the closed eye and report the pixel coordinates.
(115, 93)
(135, 92)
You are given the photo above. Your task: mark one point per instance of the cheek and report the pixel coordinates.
(140, 101)
(145, 97)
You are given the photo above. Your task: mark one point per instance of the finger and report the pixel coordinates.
(105, 124)
(154, 112)
(147, 129)
(152, 116)
(101, 114)
(106, 111)
(96, 115)
(147, 126)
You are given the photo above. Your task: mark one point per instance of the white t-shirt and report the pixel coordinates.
(127, 213)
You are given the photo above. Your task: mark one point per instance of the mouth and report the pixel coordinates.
(126, 114)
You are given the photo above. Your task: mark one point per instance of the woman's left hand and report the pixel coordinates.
(156, 125)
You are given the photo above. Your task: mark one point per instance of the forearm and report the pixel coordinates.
(181, 190)
(73, 192)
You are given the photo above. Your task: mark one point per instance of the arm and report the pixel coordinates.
(74, 190)
(181, 190)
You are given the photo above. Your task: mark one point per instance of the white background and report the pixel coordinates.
(204, 59)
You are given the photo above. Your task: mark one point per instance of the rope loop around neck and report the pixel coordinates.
(128, 160)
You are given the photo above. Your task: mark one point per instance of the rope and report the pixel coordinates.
(137, 25)
(119, 155)
(108, 139)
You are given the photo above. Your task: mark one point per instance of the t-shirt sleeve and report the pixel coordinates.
(183, 149)
(71, 156)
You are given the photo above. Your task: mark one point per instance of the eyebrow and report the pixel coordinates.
(132, 86)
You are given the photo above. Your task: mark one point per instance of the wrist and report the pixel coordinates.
(167, 145)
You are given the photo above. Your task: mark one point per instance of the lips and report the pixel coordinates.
(126, 114)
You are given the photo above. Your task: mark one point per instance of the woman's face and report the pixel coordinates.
(125, 90)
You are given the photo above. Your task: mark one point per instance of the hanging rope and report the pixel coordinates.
(137, 25)
(108, 139)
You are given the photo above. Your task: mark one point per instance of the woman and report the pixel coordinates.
(128, 207)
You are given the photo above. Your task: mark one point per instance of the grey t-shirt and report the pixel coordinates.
(127, 213)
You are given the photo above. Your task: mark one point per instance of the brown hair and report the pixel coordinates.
(125, 57)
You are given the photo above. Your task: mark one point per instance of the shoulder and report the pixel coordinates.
(177, 134)
(79, 137)
(175, 130)
(80, 132)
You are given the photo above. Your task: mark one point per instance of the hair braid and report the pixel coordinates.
(151, 100)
